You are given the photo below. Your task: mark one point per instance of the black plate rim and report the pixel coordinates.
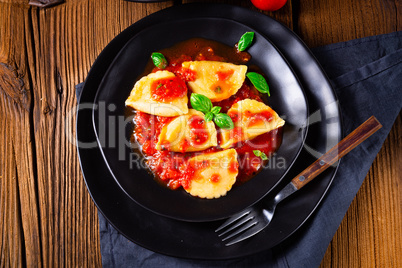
(202, 217)
(121, 38)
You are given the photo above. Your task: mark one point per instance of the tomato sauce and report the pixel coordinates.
(147, 130)
(215, 178)
(256, 119)
(174, 169)
(222, 76)
(267, 143)
(168, 89)
(198, 133)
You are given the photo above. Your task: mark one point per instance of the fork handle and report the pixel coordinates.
(361, 133)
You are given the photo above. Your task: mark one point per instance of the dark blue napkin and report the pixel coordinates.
(367, 77)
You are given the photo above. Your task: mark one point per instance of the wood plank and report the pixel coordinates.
(11, 243)
(20, 223)
(342, 20)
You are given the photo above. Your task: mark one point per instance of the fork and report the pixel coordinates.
(251, 221)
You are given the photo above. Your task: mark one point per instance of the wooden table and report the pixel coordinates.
(47, 217)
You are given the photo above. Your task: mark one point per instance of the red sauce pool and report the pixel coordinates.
(173, 168)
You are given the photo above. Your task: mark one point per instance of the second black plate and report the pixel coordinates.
(199, 240)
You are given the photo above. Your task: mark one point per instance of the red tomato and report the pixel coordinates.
(269, 5)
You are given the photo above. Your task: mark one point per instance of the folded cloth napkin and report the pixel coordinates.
(367, 77)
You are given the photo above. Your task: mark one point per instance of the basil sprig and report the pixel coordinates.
(259, 82)
(159, 60)
(260, 154)
(203, 104)
(245, 41)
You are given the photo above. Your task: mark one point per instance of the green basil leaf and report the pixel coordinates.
(260, 154)
(209, 116)
(200, 103)
(159, 60)
(216, 110)
(245, 41)
(257, 153)
(223, 121)
(259, 82)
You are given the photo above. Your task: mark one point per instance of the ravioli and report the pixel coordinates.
(215, 174)
(142, 98)
(188, 133)
(216, 80)
(251, 118)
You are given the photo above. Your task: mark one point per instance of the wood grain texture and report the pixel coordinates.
(343, 20)
(18, 172)
(47, 218)
(11, 244)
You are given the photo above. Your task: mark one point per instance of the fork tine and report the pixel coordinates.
(238, 223)
(243, 228)
(233, 219)
(252, 230)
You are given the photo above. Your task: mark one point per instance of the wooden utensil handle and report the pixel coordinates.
(361, 133)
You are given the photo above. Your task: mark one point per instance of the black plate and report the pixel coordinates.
(287, 98)
(176, 238)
